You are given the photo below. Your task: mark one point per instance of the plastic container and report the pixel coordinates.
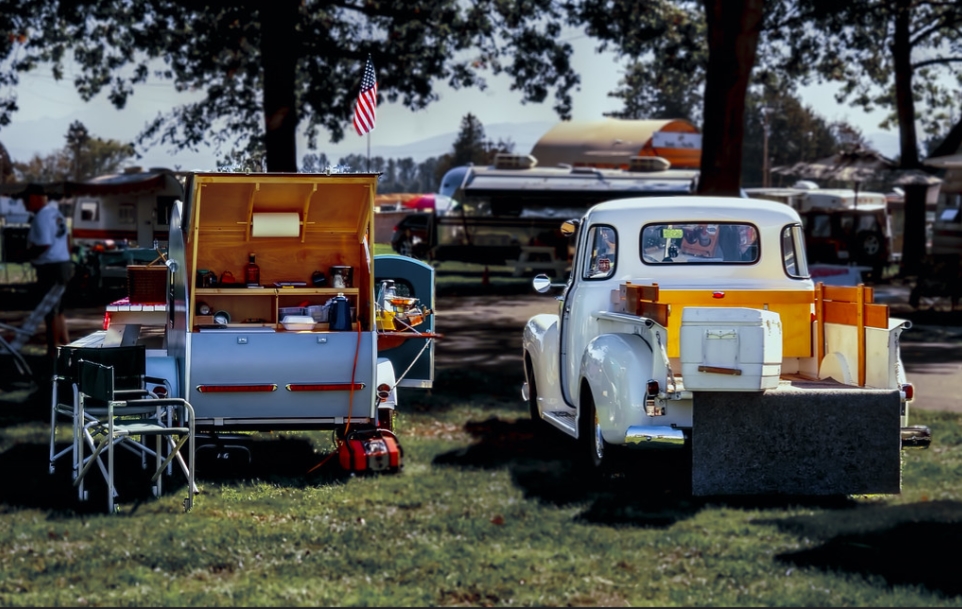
(283, 312)
(318, 312)
(298, 322)
(342, 277)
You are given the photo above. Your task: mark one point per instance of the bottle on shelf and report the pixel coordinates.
(252, 272)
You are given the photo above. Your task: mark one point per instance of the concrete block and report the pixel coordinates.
(790, 441)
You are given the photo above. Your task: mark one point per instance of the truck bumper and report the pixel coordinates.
(658, 436)
(916, 436)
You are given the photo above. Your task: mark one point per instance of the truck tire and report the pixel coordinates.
(594, 449)
(539, 425)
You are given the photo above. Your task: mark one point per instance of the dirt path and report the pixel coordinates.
(483, 332)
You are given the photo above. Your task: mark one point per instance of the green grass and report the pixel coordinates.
(483, 513)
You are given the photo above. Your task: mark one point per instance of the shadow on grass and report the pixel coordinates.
(913, 544)
(29, 484)
(641, 488)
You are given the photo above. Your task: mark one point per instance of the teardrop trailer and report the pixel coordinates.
(271, 356)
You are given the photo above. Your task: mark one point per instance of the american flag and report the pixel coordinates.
(364, 111)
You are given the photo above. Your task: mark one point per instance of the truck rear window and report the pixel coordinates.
(722, 243)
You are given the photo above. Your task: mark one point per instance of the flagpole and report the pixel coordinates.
(369, 152)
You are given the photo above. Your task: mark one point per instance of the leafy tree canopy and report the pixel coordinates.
(83, 157)
(899, 55)
(270, 68)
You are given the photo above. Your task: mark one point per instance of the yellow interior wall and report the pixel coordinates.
(793, 307)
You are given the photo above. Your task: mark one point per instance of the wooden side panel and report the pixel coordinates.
(847, 313)
(849, 306)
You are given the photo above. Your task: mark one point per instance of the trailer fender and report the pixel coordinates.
(617, 368)
(163, 370)
(385, 377)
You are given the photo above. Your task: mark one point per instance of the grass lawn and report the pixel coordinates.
(485, 513)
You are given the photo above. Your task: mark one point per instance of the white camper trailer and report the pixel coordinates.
(130, 208)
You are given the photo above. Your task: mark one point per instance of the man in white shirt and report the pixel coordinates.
(49, 251)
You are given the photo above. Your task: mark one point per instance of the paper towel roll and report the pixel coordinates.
(275, 225)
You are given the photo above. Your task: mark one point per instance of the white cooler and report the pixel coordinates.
(730, 349)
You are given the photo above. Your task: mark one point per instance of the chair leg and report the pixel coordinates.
(110, 466)
(53, 425)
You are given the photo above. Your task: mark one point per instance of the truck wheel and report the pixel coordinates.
(593, 445)
(869, 245)
(533, 400)
(539, 424)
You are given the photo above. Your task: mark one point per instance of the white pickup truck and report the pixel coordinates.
(693, 323)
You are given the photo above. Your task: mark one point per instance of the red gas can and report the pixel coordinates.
(371, 450)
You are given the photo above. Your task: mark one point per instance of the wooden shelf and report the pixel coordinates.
(272, 291)
(316, 291)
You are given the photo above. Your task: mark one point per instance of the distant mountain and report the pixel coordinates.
(523, 135)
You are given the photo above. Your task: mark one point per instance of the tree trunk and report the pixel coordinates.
(733, 31)
(913, 236)
(279, 63)
(952, 142)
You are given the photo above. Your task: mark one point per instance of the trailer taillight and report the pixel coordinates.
(106, 320)
(383, 391)
(325, 386)
(237, 388)
(717, 294)
(908, 390)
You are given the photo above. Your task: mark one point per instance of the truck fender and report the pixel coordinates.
(385, 376)
(616, 368)
(541, 359)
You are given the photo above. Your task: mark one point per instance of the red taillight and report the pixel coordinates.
(107, 320)
(653, 388)
(383, 391)
(717, 294)
(324, 386)
(236, 388)
(160, 391)
(909, 390)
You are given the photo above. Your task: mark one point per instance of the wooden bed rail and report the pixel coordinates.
(850, 306)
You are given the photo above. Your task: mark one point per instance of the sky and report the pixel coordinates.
(48, 107)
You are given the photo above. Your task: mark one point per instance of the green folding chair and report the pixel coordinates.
(110, 419)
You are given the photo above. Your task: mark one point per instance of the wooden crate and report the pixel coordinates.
(147, 284)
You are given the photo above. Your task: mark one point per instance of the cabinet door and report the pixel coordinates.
(412, 278)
